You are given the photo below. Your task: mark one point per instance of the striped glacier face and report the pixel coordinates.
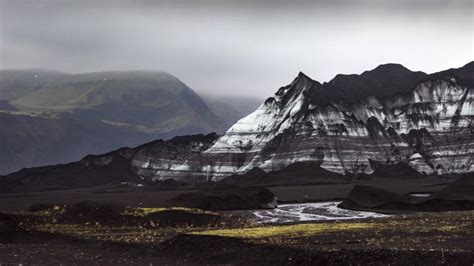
(344, 137)
(427, 125)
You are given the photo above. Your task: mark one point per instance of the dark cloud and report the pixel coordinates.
(235, 47)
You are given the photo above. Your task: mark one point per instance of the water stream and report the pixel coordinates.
(289, 213)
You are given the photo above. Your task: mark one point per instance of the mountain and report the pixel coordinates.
(231, 108)
(110, 168)
(426, 122)
(415, 123)
(51, 117)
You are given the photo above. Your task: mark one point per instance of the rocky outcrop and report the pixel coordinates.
(387, 121)
(300, 173)
(226, 198)
(457, 196)
(115, 167)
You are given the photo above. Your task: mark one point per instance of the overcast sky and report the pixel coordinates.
(236, 47)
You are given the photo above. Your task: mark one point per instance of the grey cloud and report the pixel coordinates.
(235, 47)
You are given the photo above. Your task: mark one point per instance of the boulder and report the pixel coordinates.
(369, 197)
(455, 197)
(230, 198)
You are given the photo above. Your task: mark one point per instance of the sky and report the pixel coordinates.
(237, 48)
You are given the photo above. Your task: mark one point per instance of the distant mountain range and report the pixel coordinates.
(388, 121)
(49, 117)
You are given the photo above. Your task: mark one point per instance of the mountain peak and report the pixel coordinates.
(382, 81)
(299, 85)
(302, 77)
(391, 68)
(390, 71)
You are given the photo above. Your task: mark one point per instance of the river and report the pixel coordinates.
(319, 211)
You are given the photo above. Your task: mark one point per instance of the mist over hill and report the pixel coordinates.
(50, 117)
(231, 108)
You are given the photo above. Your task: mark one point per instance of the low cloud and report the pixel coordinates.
(248, 48)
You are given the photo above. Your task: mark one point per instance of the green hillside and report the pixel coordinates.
(50, 117)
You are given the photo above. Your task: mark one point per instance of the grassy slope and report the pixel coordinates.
(63, 117)
(17, 83)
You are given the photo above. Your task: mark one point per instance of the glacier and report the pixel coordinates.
(429, 127)
(351, 125)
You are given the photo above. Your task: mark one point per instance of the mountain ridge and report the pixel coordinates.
(428, 128)
(54, 117)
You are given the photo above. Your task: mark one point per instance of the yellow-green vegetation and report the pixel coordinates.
(137, 234)
(429, 222)
(31, 113)
(448, 230)
(297, 230)
(57, 209)
(145, 211)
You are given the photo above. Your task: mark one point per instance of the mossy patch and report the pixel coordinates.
(297, 230)
(145, 211)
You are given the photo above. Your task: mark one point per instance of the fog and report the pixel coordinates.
(245, 48)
